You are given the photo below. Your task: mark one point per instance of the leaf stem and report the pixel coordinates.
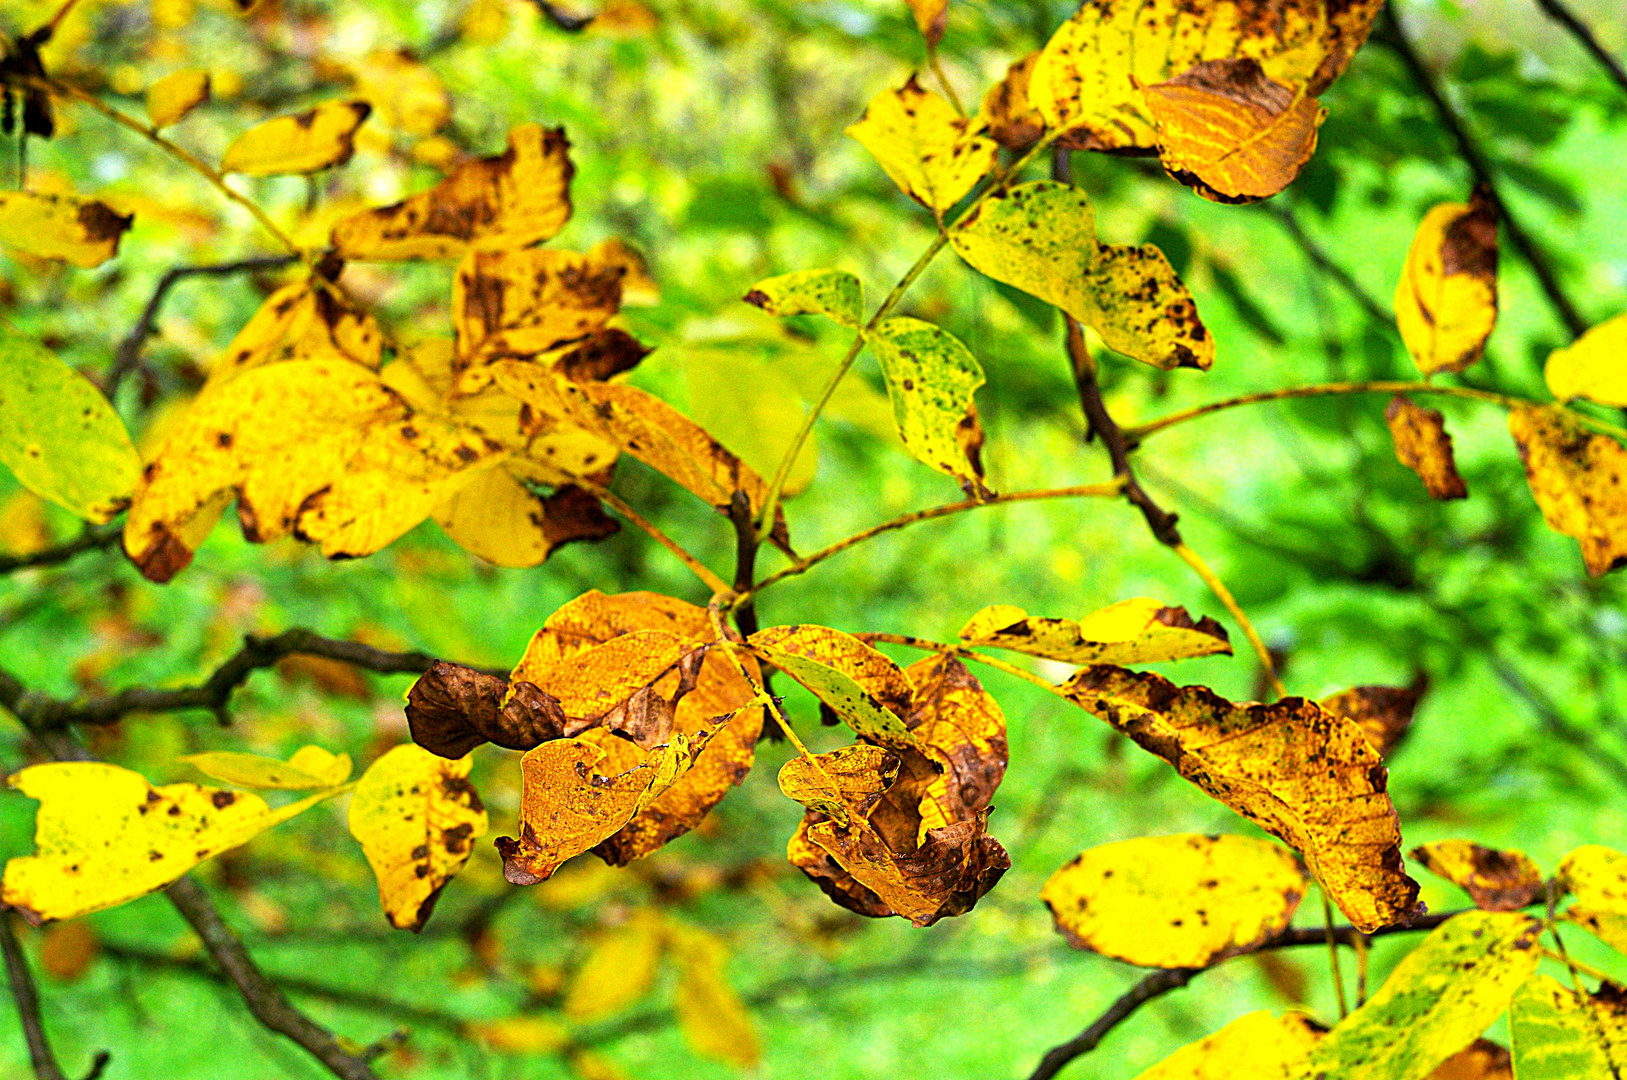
(1218, 587)
(1333, 957)
(943, 80)
(698, 568)
(926, 645)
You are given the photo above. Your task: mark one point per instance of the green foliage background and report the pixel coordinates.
(1330, 544)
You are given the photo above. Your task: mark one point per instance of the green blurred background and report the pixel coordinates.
(709, 134)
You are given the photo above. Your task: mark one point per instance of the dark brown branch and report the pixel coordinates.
(1163, 981)
(91, 539)
(28, 1003)
(1584, 37)
(128, 356)
(571, 24)
(745, 560)
(1390, 33)
(1321, 260)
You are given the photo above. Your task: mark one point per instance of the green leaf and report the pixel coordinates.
(59, 435)
(834, 293)
(1553, 1037)
(1438, 999)
(931, 377)
(865, 688)
(1041, 238)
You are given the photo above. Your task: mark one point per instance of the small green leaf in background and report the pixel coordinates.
(59, 435)
(835, 293)
(931, 377)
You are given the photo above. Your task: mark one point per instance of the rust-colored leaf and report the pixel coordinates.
(1384, 713)
(1423, 445)
(1495, 880)
(1480, 1060)
(452, 709)
(1579, 481)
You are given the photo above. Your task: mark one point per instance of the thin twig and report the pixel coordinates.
(696, 567)
(1224, 595)
(92, 539)
(28, 1003)
(1584, 37)
(1333, 957)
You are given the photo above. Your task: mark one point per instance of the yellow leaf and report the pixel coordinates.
(84, 232)
(850, 779)
(1010, 118)
(933, 154)
(1384, 713)
(619, 970)
(300, 321)
(309, 767)
(1176, 901)
(104, 836)
(1422, 445)
(1139, 631)
(173, 96)
(864, 687)
(306, 142)
(1041, 238)
(1257, 1046)
(714, 1020)
(417, 818)
(520, 1035)
(498, 518)
(1306, 776)
(1558, 1034)
(1446, 301)
(1495, 880)
(1590, 367)
(1597, 877)
(594, 684)
(1578, 480)
(1229, 132)
(405, 95)
(524, 302)
(512, 200)
(836, 294)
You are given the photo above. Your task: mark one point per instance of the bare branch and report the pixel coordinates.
(92, 539)
(28, 1003)
(1584, 37)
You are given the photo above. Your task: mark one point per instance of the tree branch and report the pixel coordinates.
(1323, 262)
(1584, 37)
(92, 539)
(28, 1009)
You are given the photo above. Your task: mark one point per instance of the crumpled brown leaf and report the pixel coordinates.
(452, 709)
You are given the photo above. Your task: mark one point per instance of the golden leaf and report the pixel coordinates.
(1597, 877)
(1590, 367)
(1577, 480)
(104, 836)
(592, 686)
(309, 767)
(1446, 301)
(306, 142)
(932, 153)
(512, 200)
(300, 321)
(1423, 445)
(417, 818)
(503, 521)
(1384, 713)
(619, 969)
(714, 1020)
(84, 232)
(1495, 880)
(1139, 631)
(1257, 1045)
(1176, 901)
(850, 779)
(1306, 776)
(521, 1035)
(943, 876)
(836, 294)
(173, 96)
(520, 303)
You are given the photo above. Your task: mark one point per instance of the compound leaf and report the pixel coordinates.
(1139, 631)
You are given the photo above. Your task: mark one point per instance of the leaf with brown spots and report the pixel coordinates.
(842, 783)
(1139, 631)
(522, 303)
(1229, 132)
(865, 688)
(306, 142)
(1257, 1045)
(303, 320)
(1040, 237)
(1597, 877)
(932, 153)
(1384, 713)
(945, 875)
(1303, 774)
(1578, 480)
(1562, 1033)
(835, 294)
(501, 519)
(931, 376)
(1495, 880)
(1011, 120)
(1176, 901)
(417, 818)
(1423, 445)
(452, 709)
(1446, 301)
(104, 836)
(84, 232)
(509, 201)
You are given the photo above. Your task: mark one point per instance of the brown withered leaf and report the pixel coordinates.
(1480, 1060)
(944, 876)
(1303, 774)
(600, 355)
(961, 726)
(1495, 880)
(521, 303)
(512, 200)
(1229, 132)
(1578, 480)
(452, 709)
(1384, 713)
(1012, 121)
(1423, 445)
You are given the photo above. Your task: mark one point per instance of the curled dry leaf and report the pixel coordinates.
(417, 818)
(1176, 901)
(1597, 877)
(1578, 480)
(1139, 631)
(308, 767)
(1495, 880)
(1384, 713)
(306, 142)
(931, 377)
(1557, 1034)
(934, 155)
(1480, 1060)
(1590, 367)
(172, 97)
(509, 201)
(863, 686)
(1423, 445)
(452, 709)
(104, 836)
(841, 784)
(1436, 1001)
(835, 294)
(1256, 1045)
(1231, 133)
(84, 232)
(1040, 237)
(1303, 774)
(1446, 301)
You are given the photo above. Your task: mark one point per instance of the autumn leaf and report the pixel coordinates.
(931, 18)
(1175, 901)
(84, 232)
(1305, 775)
(850, 779)
(619, 969)
(1590, 367)
(1231, 133)
(1495, 880)
(1384, 713)
(1256, 1045)
(303, 320)
(104, 836)
(506, 202)
(1558, 1034)
(931, 377)
(1480, 1060)
(1139, 631)
(308, 767)
(836, 294)
(405, 95)
(306, 142)
(1446, 302)
(861, 685)
(452, 709)
(69, 949)
(1423, 445)
(59, 436)
(1597, 877)
(1436, 1001)
(522, 303)
(1041, 238)
(1011, 120)
(1577, 480)
(501, 519)
(932, 153)
(172, 97)
(711, 1015)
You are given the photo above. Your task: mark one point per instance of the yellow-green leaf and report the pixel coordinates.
(1041, 238)
(865, 688)
(931, 377)
(58, 435)
(714, 1020)
(1578, 480)
(619, 969)
(1597, 877)
(1256, 1046)
(1495, 880)
(1176, 901)
(1591, 366)
(757, 426)
(836, 294)
(1556, 1035)
(932, 153)
(84, 232)
(1436, 1001)
(173, 96)
(417, 818)
(1446, 301)
(104, 836)
(309, 767)
(306, 142)
(1139, 631)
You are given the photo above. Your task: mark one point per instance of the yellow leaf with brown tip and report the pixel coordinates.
(933, 154)
(500, 519)
(1139, 631)
(1012, 121)
(1446, 301)
(306, 142)
(1384, 713)
(300, 321)
(84, 232)
(521, 303)
(1256, 1045)
(1578, 480)
(1495, 880)
(173, 96)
